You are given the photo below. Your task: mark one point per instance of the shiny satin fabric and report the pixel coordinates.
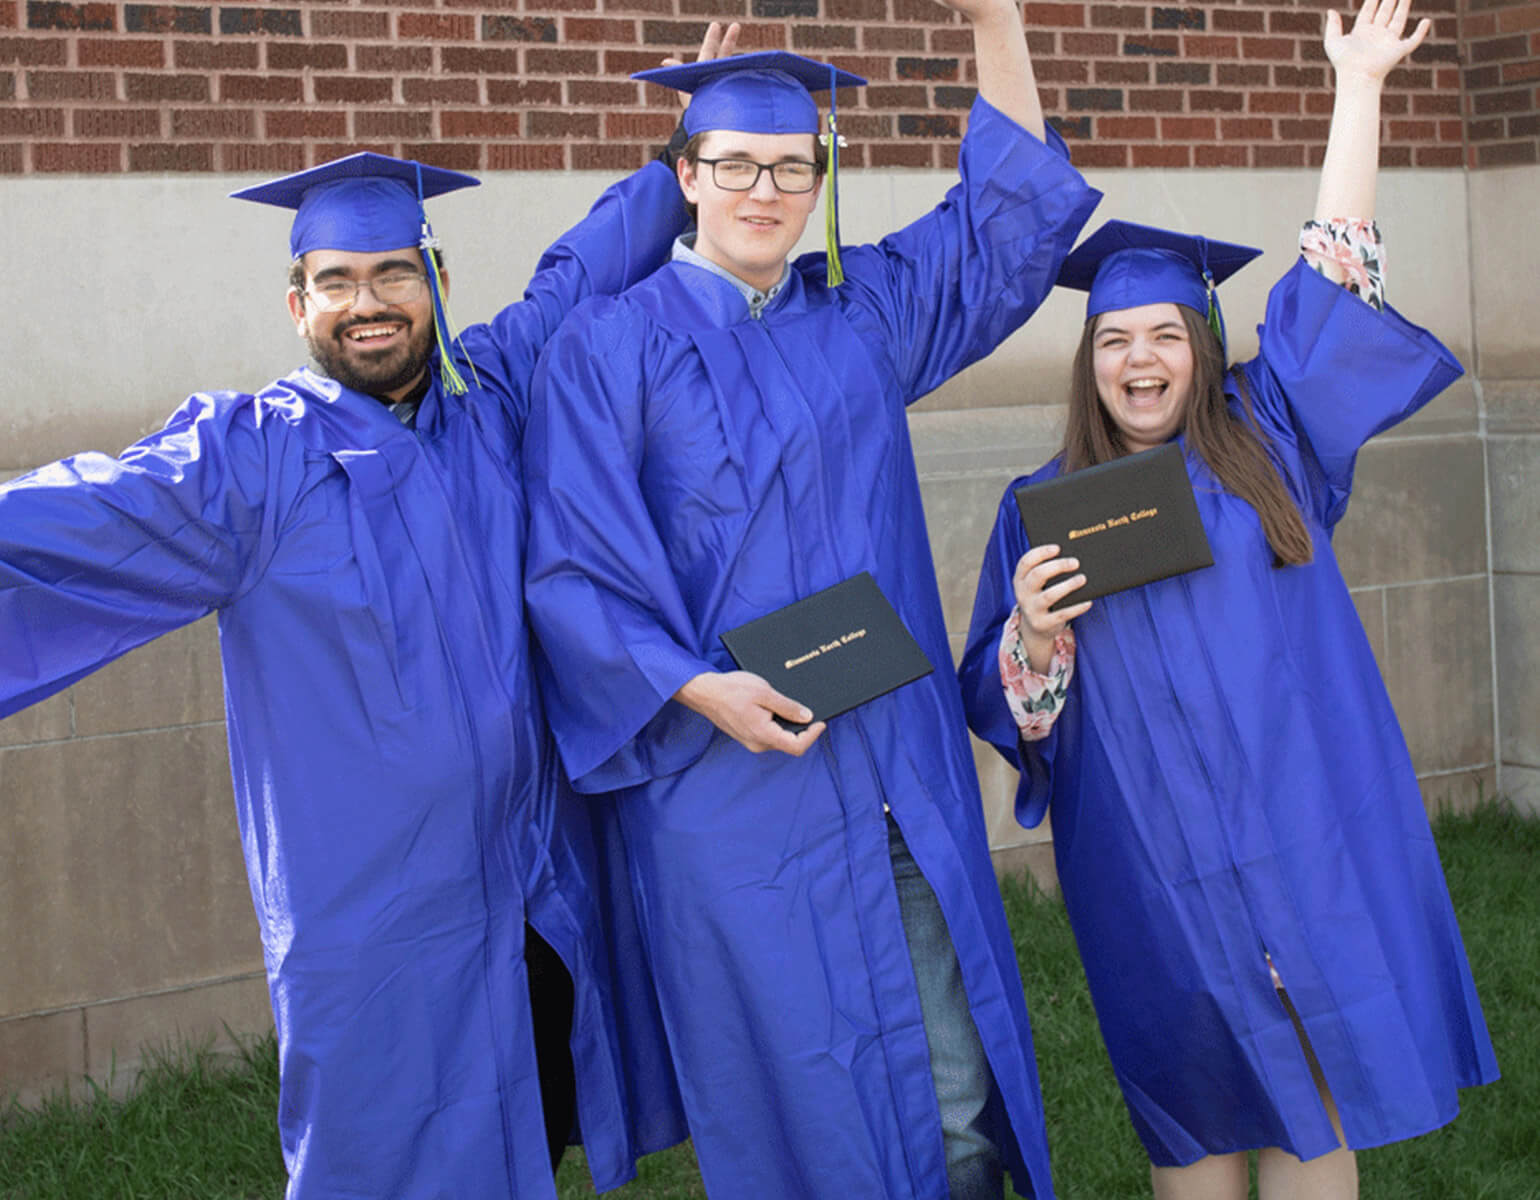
(1228, 780)
(401, 812)
(690, 468)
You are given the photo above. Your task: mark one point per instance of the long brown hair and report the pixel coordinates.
(1235, 448)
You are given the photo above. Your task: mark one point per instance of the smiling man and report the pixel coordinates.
(819, 908)
(368, 318)
(435, 956)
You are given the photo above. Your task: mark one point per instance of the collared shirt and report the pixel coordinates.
(405, 409)
(684, 251)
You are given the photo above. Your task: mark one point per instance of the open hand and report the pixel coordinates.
(743, 706)
(1034, 597)
(1373, 47)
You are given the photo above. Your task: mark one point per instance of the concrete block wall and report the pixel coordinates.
(1506, 262)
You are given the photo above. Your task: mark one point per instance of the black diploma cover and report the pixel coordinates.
(832, 651)
(1129, 521)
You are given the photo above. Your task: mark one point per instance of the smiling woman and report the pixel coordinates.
(1238, 829)
(1142, 360)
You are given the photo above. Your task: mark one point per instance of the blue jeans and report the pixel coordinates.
(958, 1066)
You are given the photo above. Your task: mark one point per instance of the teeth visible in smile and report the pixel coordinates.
(372, 332)
(1145, 385)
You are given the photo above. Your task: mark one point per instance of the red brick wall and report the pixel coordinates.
(1502, 81)
(109, 86)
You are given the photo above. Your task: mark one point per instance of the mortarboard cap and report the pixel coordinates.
(366, 203)
(1124, 265)
(766, 92)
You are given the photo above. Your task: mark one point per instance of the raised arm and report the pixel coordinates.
(1361, 58)
(624, 238)
(1006, 79)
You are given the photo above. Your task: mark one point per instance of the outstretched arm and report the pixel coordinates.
(1362, 58)
(1006, 79)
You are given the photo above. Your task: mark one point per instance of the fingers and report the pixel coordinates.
(1034, 557)
(1074, 611)
(802, 742)
(1034, 571)
(784, 706)
(1052, 595)
(719, 43)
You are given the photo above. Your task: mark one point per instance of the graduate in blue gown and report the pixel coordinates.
(359, 528)
(721, 440)
(1240, 837)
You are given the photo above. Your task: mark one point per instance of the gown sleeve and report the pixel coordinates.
(1331, 373)
(99, 555)
(948, 288)
(625, 236)
(983, 698)
(615, 637)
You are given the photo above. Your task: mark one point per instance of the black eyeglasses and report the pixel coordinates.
(398, 287)
(791, 175)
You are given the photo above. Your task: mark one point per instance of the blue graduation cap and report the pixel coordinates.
(367, 203)
(766, 92)
(1123, 265)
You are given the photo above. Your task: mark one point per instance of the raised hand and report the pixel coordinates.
(1362, 58)
(1373, 47)
(718, 43)
(1006, 78)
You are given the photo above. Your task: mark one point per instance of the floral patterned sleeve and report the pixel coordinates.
(1354, 247)
(1035, 700)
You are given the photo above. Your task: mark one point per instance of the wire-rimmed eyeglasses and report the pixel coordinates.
(397, 287)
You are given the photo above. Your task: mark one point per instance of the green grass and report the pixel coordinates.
(197, 1126)
(194, 1126)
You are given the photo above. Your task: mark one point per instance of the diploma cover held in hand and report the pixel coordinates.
(1129, 521)
(832, 651)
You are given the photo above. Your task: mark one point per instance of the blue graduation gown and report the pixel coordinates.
(1227, 777)
(400, 810)
(690, 468)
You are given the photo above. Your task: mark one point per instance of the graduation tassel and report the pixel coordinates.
(831, 198)
(443, 331)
